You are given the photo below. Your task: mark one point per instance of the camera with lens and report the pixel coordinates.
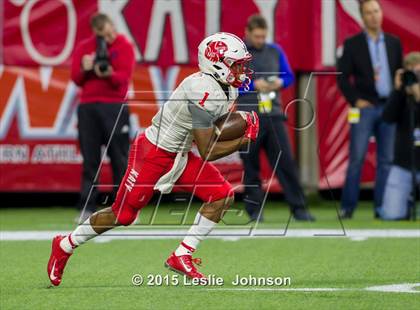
(409, 78)
(102, 56)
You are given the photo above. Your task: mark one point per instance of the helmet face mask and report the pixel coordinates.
(240, 73)
(226, 58)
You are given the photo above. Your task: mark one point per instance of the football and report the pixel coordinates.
(230, 126)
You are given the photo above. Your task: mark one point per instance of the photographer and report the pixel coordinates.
(403, 109)
(102, 66)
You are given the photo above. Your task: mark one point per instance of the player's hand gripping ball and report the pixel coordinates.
(253, 126)
(235, 125)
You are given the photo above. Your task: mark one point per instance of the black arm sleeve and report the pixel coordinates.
(345, 67)
(394, 107)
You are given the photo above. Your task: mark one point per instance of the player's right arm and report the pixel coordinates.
(205, 137)
(210, 149)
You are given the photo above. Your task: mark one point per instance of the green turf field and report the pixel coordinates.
(99, 276)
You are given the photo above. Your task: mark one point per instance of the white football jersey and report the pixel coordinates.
(199, 98)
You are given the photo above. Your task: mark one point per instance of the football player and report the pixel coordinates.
(161, 157)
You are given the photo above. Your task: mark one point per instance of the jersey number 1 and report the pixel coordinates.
(206, 94)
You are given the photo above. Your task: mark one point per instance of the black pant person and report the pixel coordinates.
(101, 124)
(274, 140)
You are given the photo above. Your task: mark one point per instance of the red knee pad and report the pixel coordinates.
(124, 213)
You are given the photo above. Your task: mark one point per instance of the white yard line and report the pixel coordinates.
(224, 234)
(271, 289)
(393, 288)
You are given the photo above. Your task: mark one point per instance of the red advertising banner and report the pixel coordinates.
(38, 138)
(44, 32)
(39, 149)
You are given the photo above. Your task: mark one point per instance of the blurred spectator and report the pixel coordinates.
(102, 66)
(367, 67)
(271, 73)
(403, 109)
